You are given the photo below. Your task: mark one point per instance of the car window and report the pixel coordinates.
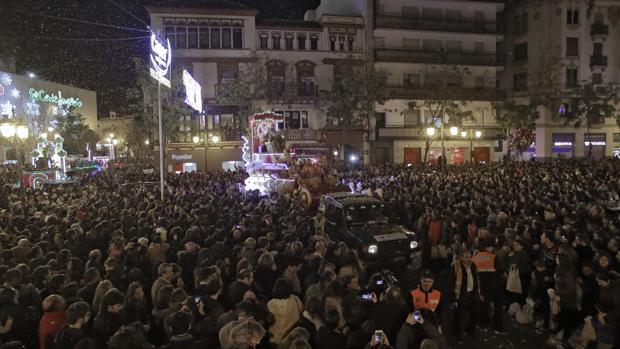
(333, 214)
(362, 214)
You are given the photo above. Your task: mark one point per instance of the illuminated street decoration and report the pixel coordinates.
(193, 94)
(42, 96)
(7, 109)
(6, 79)
(33, 108)
(247, 157)
(161, 57)
(15, 93)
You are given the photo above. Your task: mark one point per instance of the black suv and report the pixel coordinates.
(358, 220)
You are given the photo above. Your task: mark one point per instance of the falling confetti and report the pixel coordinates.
(6, 79)
(15, 93)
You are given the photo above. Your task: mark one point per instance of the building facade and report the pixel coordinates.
(556, 46)
(290, 60)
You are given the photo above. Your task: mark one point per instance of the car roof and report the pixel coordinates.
(352, 199)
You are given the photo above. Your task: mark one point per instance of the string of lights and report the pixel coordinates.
(82, 21)
(129, 12)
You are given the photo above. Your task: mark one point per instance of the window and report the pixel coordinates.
(597, 78)
(479, 82)
(432, 45)
(204, 37)
(288, 41)
(332, 43)
(571, 77)
(455, 80)
(170, 33)
(341, 43)
(276, 77)
(262, 41)
(301, 42)
(597, 49)
(305, 78)
(520, 52)
(275, 41)
(454, 15)
(572, 47)
(314, 42)
(409, 11)
(181, 37)
(433, 13)
(519, 81)
(572, 16)
(412, 118)
(226, 37)
(215, 38)
(454, 46)
(521, 23)
(296, 119)
(192, 37)
(479, 47)
(411, 80)
(237, 38)
(350, 41)
(413, 44)
(227, 72)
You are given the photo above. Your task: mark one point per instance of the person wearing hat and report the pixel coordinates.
(489, 271)
(426, 297)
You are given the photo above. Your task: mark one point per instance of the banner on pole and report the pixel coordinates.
(161, 57)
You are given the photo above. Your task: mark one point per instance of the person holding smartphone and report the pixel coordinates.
(426, 297)
(415, 330)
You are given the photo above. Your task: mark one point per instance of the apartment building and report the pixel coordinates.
(218, 44)
(560, 45)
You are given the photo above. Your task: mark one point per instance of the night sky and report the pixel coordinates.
(97, 57)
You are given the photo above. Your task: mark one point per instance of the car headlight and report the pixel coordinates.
(409, 232)
(372, 249)
(413, 244)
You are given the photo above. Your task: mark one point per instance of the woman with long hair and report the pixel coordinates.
(102, 288)
(135, 308)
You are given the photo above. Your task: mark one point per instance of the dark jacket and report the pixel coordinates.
(105, 326)
(328, 339)
(184, 341)
(411, 336)
(68, 337)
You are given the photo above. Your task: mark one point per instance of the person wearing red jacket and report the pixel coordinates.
(51, 322)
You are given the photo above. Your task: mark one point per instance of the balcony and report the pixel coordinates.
(435, 24)
(468, 94)
(300, 135)
(419, 132)
(598, 61)
(599, 29)
(434, 57)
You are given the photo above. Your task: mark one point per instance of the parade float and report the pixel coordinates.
(274, 168)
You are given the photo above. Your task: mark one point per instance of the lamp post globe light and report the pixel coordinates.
(13, 131)
(454, 131)
(430, 131)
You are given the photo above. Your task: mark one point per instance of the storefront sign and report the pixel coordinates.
(594, 143)
(161, 57)
(562, 144)
(193, 94)
(42, 96)
(182, 157)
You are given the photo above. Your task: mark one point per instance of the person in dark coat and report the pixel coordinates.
(180, 329)
(109, 319)
(465, 294)
(329, 337)
(73, 333)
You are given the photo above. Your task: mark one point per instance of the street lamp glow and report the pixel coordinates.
(115, 141)
(464, 134)
(22, 132)
(335, 152)
(478, 134)
(32, 75)
(215, 139)
(454, 131)
(353, 158)
(430, 131)
(147, 142)
(195, 139)
(111, 135)
(7, 128)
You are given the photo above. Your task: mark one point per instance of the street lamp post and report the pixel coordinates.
(14, 132)
(471, 134)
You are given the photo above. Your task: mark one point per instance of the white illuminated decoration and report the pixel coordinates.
(6, 108)
(594, 143)
(193, 94)
(15, 93)
(161, 57)
(563, 144)
(33, 108)
(6, 79)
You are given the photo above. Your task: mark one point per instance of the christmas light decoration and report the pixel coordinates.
(33, 109)
(15, 93)
(42, 96)
(7, 109)
(6, 79)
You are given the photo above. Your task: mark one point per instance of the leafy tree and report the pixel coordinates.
(352, 99)
(518, 123)
(445, 99)
(589, 107)
(76, 133)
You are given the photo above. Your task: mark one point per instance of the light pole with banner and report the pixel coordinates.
(160, 57)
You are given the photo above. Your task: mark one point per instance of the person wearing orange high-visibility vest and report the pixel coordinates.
(489, 274)
(426, 297)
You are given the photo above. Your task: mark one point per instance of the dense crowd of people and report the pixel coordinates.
(102, 263)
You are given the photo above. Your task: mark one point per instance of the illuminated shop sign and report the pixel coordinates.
(181, 157)
(193, 95)
(594, 143)
(562, 144)
(161, 57)
(58, 99)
